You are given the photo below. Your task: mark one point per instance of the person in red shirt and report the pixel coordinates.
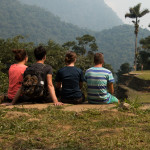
(16, 72)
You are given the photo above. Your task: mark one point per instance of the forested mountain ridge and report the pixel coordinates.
(38, 26)
(34, 23)
(90, 14)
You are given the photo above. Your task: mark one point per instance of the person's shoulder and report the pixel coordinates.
(78, 69)
(62, 69)
(90, 69)
(106, 70)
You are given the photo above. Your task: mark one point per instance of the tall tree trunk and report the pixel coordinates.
(135, 55)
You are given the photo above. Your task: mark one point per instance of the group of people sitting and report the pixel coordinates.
(34, 83)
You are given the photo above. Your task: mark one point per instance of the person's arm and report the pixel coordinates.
(52, 91)
(14, 99)
(111, 88)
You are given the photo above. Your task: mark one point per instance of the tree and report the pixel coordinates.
(124, 68)
(135, 13)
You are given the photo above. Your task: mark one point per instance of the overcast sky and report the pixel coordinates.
(121, 7)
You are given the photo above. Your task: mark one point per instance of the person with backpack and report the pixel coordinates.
(16, 72)
(37, 83)
(69, 81)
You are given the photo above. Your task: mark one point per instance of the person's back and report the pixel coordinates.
(100, 83)
(16, 72)
(70, 77)
(97, 81)
(69, 81)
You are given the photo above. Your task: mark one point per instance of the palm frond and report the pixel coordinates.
(144, 12)
(129, 15)
(136, 9)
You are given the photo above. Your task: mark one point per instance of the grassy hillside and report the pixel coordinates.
(90, 14)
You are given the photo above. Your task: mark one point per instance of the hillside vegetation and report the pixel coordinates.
(38, 26)
(90, 14)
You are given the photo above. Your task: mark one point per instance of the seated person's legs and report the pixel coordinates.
(112, 99)
(74, 100)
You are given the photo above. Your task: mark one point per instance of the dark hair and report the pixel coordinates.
(98, 58)
(70, 57)
(39, 53)
(20, 54)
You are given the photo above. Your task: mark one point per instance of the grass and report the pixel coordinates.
(56, 129)
(145, 74)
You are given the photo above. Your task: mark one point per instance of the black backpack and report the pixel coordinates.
(34, 81)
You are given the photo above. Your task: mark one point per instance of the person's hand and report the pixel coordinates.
(58, 103)
(6, 104)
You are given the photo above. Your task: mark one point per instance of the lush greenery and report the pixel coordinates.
(39, 26)
(94, 15)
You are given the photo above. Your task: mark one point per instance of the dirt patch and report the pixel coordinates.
(110, 132)
(33, 119)
(16, 114)
(30, 106)
(85, 107)
(145, 107)
(65, 127)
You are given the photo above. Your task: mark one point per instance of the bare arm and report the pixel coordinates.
(52, 90)
(111, 88)
(15, 98)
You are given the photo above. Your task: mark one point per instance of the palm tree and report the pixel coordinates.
(135, 13)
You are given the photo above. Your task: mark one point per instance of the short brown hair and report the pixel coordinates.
(98, 58)
(20, 54)
(70, 57)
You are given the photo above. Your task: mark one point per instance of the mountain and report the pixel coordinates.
(38, 26)
(34, 23)
(91, 14)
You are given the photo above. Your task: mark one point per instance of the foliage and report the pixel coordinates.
(145, 42)
(86, 43)
(124, 68)
(143, 60)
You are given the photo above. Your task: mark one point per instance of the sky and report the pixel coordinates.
(121, 7)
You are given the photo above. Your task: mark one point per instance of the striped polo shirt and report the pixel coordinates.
(97, 81)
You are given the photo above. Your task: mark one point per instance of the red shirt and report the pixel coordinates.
(16, 72)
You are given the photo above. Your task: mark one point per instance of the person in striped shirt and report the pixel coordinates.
(100, 83)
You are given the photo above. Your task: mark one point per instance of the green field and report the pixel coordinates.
(145, 74)
(55, 129)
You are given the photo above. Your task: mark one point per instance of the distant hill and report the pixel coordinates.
(90, 14)
(38, 26)
(34, 23)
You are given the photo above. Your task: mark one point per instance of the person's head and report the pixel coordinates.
(70, 57)
(98, 58)
(20, 55)
(40, 53)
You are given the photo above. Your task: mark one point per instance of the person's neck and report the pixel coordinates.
(40, 61)
(99, 65)
(21, 63)
(71, 65)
